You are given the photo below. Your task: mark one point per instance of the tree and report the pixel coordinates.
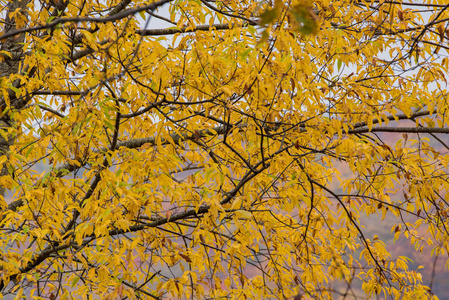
(231, 155)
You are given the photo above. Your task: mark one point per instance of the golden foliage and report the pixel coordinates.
(232, 155)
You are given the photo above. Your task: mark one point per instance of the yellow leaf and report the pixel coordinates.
(227, 91)
(243, 214)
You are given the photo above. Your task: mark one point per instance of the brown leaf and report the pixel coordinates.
(248, 89)
(242, 279)
(297, 144)
(386, 147)
(196, 135)
(407, 175)
(186, 257)
(440, 29)
(202, 239)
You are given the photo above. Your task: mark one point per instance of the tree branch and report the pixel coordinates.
(402, 129)
(186, 29)
(396, 117)
(118, 16)
(251, 22)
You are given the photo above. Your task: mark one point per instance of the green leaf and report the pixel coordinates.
(271, 14)
(268, 16)
(142, 14)
(50, 19)
(305, 18)
(75, 281)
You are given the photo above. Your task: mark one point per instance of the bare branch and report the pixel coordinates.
(402, 130)
(186, 29)
(51, 110)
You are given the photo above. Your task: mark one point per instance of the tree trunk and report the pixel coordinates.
(9, 65)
